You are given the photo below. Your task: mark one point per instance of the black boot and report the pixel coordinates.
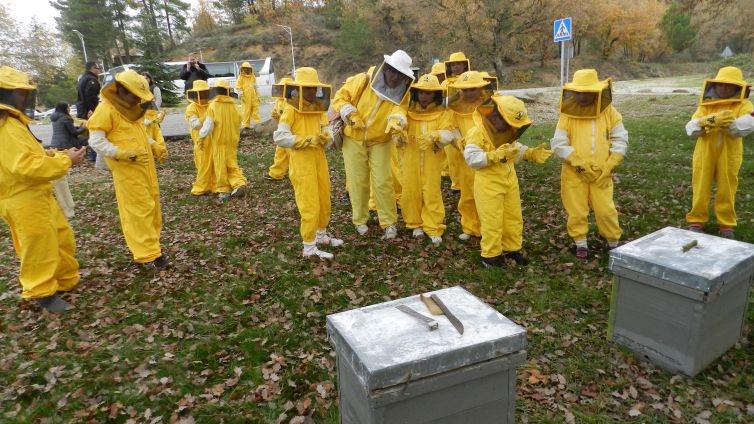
(159, 263)
(54, 304)
(494, 262)
(518, 257)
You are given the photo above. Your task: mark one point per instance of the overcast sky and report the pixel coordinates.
(23, 10)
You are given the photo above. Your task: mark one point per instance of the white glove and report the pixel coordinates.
(207, 127)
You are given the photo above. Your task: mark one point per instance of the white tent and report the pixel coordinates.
(726, 53)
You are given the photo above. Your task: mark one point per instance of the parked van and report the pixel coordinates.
(263, 69)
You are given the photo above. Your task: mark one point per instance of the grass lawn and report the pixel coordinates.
(234, 331)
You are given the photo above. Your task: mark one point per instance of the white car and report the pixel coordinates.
(42, 115)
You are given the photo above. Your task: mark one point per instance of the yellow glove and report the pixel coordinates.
(396, 131)
(304, 142)
(160, 151)
(355, 121)
(503, 154)
(275, 114)
(720, 119)
(607, 170)
(538, 154)
(129, 155)
(583, 169)
(322, 139)
(429, 140)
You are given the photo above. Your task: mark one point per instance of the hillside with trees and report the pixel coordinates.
(643, 38)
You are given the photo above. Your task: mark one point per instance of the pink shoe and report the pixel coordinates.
(582, 253)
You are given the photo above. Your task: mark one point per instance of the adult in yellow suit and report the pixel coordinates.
(42, 238)
(492, 150)
(117, 132)
(591, 140)
(373, 106)
(198, 98)
(301, 131)
(464, 95)
(422, 159)
(722, 118)
(456, 65)
(246, 87)
(220, 133)
(280, 163)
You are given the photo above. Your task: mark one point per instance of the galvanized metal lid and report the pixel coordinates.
(387, 347)
(705, 267)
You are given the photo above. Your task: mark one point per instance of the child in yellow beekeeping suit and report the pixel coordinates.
(422, 159)
(198, 98)
(41, 235)
(152, 120)
(220, 133)
(454, 67)
(246, 87)
(591, 140)
(280, 164)
(117, 133)
(722, 118)
(492, 150)
(464, 95)
(301, 130)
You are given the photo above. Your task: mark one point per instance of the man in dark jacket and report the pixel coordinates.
(65, 135)
(88, 91)
(193, 70)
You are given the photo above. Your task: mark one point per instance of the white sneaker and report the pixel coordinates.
(464, 236)
(223, 197)
(390, 232)
(362, 229)
(436, 240)
(238, 192)
(310, 249)
(418, 233)
(327, 240)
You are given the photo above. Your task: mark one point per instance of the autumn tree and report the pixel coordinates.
(676, 25)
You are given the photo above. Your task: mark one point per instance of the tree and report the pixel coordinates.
(93, 18)
(676, 25)
(162, 76)
(204, 22)
(174, 12)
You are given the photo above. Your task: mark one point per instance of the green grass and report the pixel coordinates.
(235, 330)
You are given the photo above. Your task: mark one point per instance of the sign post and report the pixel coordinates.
(562, 32)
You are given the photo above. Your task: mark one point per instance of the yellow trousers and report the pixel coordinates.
(44, 243)
(250, 110)
(421, 196)
(466, 206)
(227, 173)
(499, 204)
(577, 197)
(138, 196)
(363, 162)
(718, 162)
(280, 164)
(455, 160)
(205, 177)
(310, 178)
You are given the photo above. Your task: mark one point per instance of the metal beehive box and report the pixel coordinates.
(680, 309)
(392, 369)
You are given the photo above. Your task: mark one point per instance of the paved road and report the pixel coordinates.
(174, 125)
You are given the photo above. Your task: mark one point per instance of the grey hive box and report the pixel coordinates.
(392, 369)
(680, 310)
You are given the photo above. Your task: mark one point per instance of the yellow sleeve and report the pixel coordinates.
(446, 121)
(289, 116)
(562, 124)
(745, 108)
(348, 92)
(101, 120)
(23, 161)
(615, 117)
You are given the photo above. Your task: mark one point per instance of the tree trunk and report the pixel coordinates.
(167, 20)
(502, 74)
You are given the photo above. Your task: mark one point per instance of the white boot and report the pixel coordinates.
(436, 240)
(390, 232)
(327, 240)
(464, 236)
(362, 229)
(310, 249)
(418, 233)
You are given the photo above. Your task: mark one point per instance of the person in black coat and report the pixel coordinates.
(88, 91)
(193, 70)
(65, 135)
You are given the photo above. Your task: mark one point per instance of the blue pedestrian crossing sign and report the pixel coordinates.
(561, 30)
